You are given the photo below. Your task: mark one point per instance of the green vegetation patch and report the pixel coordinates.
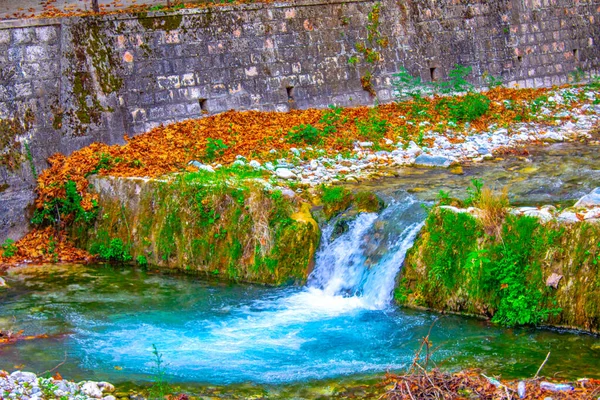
(225, 224)
(456, 266)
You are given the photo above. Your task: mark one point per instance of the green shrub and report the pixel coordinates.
(116, 251)
(456, 82)
(505, 273)
(304, 134)
(466, 108)
(60, 209)
(142, 260)
(373, 127)
(406, 85)
(9, 248)
(214, 149)
(331, 120)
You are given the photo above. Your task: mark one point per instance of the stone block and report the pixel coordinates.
(4, 36)
(47, 34)
(23, 35)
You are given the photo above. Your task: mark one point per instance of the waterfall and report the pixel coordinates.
(363, 261)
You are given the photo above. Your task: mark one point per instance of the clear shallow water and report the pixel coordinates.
(557, 173)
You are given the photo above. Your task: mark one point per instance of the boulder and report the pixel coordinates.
(285, 173)
(91, 389)
(22, 376)
(591, 199)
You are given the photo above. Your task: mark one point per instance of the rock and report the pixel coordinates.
(552, 137)
(365, 144)
(568, 216)
(553, 280)
(285, 173)
(22, 376)
(433, 161)
(287, 192)
(3, 283)
(200, 166)
(413, 149)
(106, 387)
(295, 151)
(109, 397)
(457, 170)
(254, 164)
(238, 163)
(544, 214)
(591, 199)
(590, 214)
(269, 166)
(91, 389)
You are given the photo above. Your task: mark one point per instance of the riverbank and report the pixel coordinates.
(27, 385)
(415, 385)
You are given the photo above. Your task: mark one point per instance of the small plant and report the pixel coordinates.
(353, 60)
(473, 192)
(47, 387)
(577, 75)
(30, 160)
(493, 209)
(214, 148)
(331, 119)
(115, 251)
(105, 162)
(142, 260)
(443, 198)
(492, 81)
(594, 83)
(374, 127)
(65, 209)
(304, 134)
(406, 85)
(9, 248)
(457, 81)
(366, 83)
(466, 108)
(160, 387)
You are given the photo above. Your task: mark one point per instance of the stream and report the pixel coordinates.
(104, 321)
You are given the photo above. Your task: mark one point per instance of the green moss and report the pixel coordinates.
(337, 199)
(103, 60)
(11, 153)
(164, 22)
(235, 230)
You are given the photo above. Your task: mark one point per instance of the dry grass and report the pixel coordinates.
(493, 208)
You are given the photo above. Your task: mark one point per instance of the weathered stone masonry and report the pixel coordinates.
(96, 79)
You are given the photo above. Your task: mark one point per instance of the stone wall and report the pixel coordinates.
(65, 83)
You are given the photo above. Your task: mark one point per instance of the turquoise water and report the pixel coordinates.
(106, 320)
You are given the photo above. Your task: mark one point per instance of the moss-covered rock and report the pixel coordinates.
(455, 266)
(241, 231)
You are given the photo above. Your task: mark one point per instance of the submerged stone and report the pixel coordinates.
(425, 160)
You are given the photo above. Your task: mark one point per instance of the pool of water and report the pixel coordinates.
(104, 321)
